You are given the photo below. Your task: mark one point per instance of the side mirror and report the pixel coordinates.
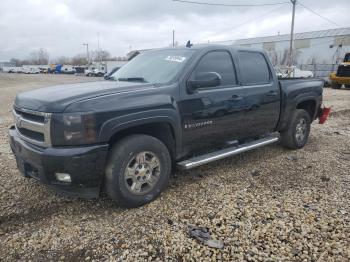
(206, 79)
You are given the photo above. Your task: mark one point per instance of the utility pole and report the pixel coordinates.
(173, 37)
(98, 47)
(87, 51)
(294, 2)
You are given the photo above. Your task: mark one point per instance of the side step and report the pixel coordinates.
(207, 158)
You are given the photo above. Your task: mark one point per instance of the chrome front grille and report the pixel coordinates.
(33, 126)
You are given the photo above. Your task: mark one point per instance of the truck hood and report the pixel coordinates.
(55, 99)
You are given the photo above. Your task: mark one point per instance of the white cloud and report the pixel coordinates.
(62, 26)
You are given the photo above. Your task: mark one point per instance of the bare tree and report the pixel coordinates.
(20, 62)
(103, 55)
(79, 59)
(40, 57)
(63, 60)
(284, 58)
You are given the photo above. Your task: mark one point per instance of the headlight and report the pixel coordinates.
(73, 129)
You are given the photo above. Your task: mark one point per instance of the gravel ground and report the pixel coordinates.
(270, 204)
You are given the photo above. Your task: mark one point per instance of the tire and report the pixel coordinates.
(297, 134)
(137, 153)
(335, 85)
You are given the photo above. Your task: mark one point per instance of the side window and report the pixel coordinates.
(253, 68)
(219, 62)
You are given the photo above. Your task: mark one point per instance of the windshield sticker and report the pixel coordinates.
(175, 58)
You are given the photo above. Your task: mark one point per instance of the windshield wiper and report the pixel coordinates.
(133, 79)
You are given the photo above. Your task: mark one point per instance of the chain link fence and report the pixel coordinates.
(320, 70)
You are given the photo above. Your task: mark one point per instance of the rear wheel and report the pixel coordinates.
(335, 85)
(297, 134)
(138, 169)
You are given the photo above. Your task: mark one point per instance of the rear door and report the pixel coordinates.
(212, 115)
(262, 93)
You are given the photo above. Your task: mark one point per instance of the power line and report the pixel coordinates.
(247, 22)
(236, 5)
(314, 12)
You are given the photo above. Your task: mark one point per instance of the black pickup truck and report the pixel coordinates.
(166, 108)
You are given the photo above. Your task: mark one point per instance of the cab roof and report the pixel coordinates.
(208, 47)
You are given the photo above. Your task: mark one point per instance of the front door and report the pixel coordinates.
(216, 114)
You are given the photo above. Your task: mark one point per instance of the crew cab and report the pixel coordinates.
(167, 108)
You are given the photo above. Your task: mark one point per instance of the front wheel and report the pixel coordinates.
(297, 134)
(138, 169)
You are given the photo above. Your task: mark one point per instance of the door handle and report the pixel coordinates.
(272, 93)
(236, 97)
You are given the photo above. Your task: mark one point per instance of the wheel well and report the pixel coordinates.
(162, 131)
(309, 106)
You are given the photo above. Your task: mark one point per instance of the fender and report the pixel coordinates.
(310, 97)
(117, 124)
(305, 97)
(290, 107)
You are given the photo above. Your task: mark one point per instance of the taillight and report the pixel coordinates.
(324, 115)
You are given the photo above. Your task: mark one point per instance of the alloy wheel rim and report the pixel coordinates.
(142, 173)
(301, 130)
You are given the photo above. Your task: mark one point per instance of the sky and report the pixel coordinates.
(62, 26)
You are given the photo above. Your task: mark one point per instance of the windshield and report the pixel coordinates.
(347, 57)
(154, 67)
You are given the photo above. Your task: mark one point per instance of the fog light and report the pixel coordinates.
(63, 177)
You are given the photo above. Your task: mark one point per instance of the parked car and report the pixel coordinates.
(31, 70)
(292, 71)
(68, 69)
(9, 70)
(93, 72)
(298, 73)
(96, 69)
(19, 69)
(126, 136)
(13, 69)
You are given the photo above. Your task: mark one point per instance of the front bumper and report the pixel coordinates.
(85, 165)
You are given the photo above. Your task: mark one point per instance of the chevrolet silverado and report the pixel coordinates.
(167, 108)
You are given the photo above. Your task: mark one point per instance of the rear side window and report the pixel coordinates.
(253, 68)
(219, 62)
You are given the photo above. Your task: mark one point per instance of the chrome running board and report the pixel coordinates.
(217, 155)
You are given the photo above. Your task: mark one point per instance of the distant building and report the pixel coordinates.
(317, 47)
(6, 64)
